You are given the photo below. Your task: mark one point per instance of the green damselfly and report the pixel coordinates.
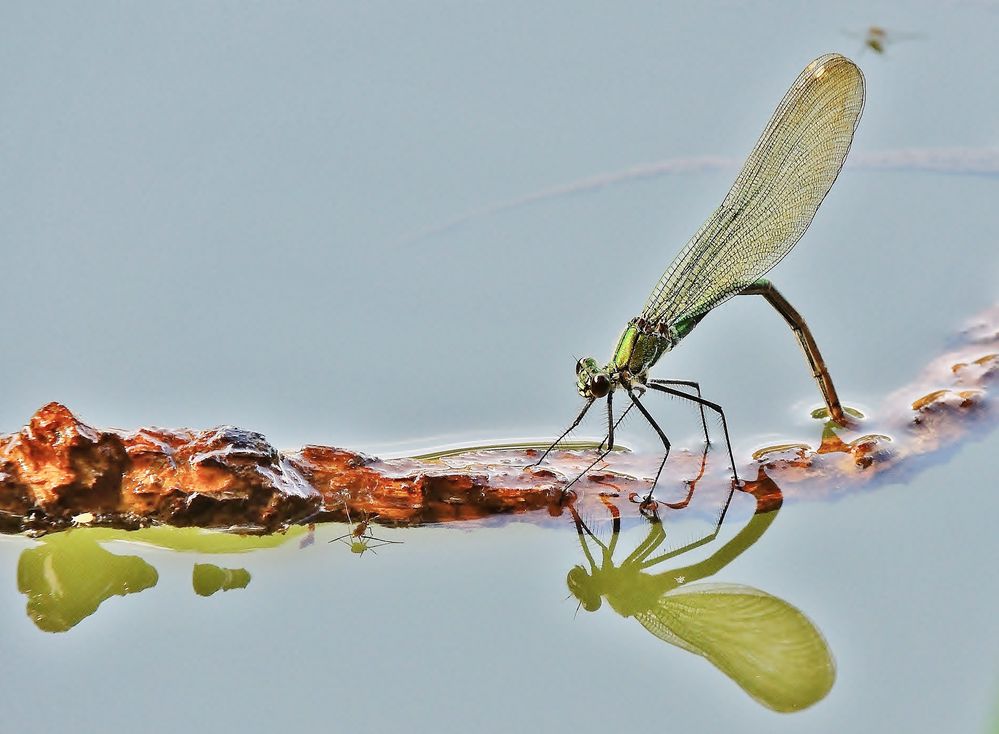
(767, 210)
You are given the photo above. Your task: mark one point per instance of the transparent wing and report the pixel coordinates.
(774, 197)
(764, 644)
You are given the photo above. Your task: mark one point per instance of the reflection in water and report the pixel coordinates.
(209, 578)
(359, 539)
(69, 574)
(764, 644)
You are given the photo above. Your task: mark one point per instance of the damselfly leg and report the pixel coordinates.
(691, 486)
(697, 389)
(567, 431)
(656, 385)
(602, 452)
(662, 435)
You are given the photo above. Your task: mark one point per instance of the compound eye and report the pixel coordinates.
(600, 385)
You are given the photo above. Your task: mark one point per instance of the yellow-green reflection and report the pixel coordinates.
(209, 578)
(764, 644)
(69, 575)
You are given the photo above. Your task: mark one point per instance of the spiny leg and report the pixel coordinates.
(655, 538)
(691, 484)
(616, 424)
(610, 420)
(697, 543)
(610, 443)
(567, 431)
(582, 527)
(697, 388)
(382, 541)
(801, 331)
(707, 404)
(666, 444)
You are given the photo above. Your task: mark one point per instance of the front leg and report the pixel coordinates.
(567, 431)
(609, 440)
(617, 423)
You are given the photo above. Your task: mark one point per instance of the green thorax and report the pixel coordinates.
(642, 344)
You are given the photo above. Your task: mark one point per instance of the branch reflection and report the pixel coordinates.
(69, 575)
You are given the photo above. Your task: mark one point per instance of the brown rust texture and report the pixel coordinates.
(953, 398)
(58, 470)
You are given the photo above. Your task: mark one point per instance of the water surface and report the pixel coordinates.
(208, 217)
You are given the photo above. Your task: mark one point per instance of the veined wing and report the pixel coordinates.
(764, 644)
(774, 197)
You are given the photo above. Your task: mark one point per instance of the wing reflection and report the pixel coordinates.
(766, 645)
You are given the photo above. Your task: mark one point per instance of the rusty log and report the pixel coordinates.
(58, 471)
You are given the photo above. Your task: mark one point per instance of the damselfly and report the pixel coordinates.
(765, 213)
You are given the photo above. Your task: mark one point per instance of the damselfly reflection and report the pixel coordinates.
(359, 539)
(768, 647)
(765, 213)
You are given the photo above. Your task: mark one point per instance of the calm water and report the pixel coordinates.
(211, 213)
(458, 629)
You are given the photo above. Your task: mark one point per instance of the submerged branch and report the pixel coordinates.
(58, 471)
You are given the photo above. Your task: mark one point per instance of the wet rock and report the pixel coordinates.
(61, 466)
(58, 468)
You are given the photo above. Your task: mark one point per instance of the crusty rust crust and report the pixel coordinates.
(58, 470)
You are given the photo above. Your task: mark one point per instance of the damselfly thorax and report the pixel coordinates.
(641, 345)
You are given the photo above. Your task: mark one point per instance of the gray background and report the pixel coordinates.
(211, 212)
(208, 210)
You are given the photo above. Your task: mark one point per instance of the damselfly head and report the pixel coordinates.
(584, 588)
(591, 381)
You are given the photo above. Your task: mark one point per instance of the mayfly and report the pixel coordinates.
(767, 210)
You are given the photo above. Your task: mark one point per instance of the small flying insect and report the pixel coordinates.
(877, 39)
(767, 210)
(359, 540)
